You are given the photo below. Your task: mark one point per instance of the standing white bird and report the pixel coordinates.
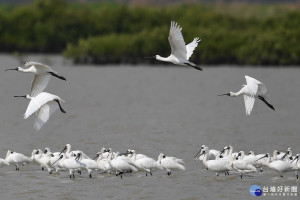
(219, 166)
(120, 166)
(170, 163)
(297, 164)
(212, 154)
(180, 53)
(3, 162)
(90, 164)
(70, 153)
(16, 159)
(42, 75)
(241, 166)
(145, 164)
(253, 89)
(280, 165)
(45, 104)
(72, 163)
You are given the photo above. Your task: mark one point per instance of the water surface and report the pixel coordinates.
(152, 110)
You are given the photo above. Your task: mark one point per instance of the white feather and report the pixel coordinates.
(44, 113)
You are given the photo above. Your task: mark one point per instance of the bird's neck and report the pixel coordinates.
(235, 94)
(24, 69)
(7, 154)
(162, 58)
(205, 158)
(133, 156)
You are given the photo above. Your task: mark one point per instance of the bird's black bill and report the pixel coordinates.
(267, 103)
(16, 69)
(24, 96)
(223, 150)
(227, 94)
(96, 156)
(262, 157)
(283, 157)
(197, 155)
(153, 57)
(63, 150)
(57, 160)
(78, 156)
(296, 158)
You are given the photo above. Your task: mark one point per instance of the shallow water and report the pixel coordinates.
(152, 110)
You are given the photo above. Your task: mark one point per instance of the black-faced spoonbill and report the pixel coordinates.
(253, 89)
(42, 75)
(145, 163)
(120, 166)
(17, 159)
(241, 166)
(219, 165)
(280, 165)
(90, 165)
(297, 164)
(44, 104)
(180, 53)
(70, 153)
(72, 164)
(170, 163)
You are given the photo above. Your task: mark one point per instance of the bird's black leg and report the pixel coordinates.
(57, 76)
(267, 103)
(196, 67)
(62, 110)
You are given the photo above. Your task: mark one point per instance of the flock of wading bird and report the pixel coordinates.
(106, 161)
(226, 160)
(45, 104)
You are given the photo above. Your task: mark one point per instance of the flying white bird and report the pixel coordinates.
(45, 104)
(42, 75)
(253, 89)
(180, 53)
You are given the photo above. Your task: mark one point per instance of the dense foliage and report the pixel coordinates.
(106, 33)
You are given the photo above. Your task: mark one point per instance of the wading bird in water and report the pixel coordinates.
(253, 89)
(180, 53)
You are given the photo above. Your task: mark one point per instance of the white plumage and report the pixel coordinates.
(253, 89)
(180, 53)
(42, 74)
(44, 104)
